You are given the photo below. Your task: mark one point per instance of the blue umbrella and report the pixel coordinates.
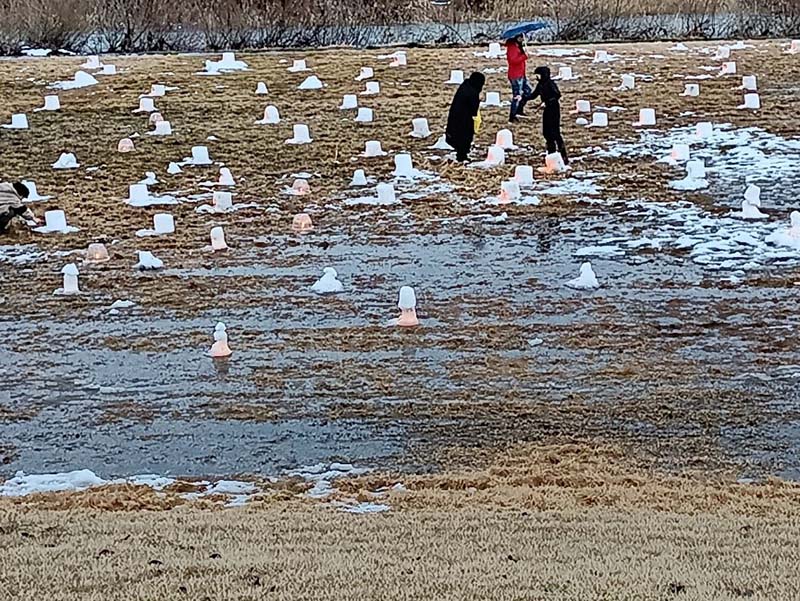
(522, 29)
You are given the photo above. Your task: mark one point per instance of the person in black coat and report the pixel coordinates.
(460, 123)
(548, 91)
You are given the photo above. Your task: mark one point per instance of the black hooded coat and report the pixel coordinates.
(466, 103)
(548, 91)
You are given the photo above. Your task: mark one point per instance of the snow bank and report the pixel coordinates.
(23, 484)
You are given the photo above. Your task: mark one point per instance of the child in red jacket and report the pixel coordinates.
(520, 88)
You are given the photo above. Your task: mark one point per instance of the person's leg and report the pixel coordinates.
(550, 144)
(468, 145)
(516, 97)
(562, 148)
(526, 92)
(462, 147)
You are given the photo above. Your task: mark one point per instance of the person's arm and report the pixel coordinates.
(475, 104)
(5, 219)
(475, 112)
(537, 91)
(24, 212)
(555, 94)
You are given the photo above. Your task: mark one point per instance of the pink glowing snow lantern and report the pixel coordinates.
(301, 223)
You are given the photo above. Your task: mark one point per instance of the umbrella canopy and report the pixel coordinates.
(522, 28)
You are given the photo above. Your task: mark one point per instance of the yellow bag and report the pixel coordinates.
(477, 120)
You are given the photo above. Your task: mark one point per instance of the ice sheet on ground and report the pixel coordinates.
(231, 487)
(415, 175)
(600, 251)
(20, 254)
(122, 304)
(416, 193)
(560, 51)
(27, 484)
(524, 200)
(369, 200)
(568, 187)
(231, 209)
(221, 66)
(151, 201)
(154, 481)
(238, 493)
(361, 508)
(322, 476)
(80, 80)
(731, 154)
(689, 184)
(716, 243)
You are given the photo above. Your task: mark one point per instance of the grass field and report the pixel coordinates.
(552, 524)
(552, 444)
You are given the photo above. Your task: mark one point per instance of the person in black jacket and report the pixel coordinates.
(460, 123)
(548, 91)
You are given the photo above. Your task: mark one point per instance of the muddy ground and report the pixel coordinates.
(668, 358)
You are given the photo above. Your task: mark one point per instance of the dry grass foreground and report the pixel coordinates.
(550, 523)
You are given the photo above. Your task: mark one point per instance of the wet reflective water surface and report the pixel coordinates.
(668, 351)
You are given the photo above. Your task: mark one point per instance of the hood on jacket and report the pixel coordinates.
(477, 80)
(21, 189)
(542, 72)
(11, 196)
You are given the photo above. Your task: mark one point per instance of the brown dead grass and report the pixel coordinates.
(125, 411)
(556, 478)
(241, 411)
(566, 523)
(9, 414)
(302, 553)
(93, 120)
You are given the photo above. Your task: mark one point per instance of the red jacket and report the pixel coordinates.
(516, 61)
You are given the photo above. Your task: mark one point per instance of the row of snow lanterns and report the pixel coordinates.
(52, 102)
(372, 148)
(349, 102)
(420, 128)
(164, 223)
(420, 125)
(19, 121)
(647, 116)
(301, 134)
(406, 302)
(327, 284)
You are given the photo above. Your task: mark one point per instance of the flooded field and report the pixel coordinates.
(686, 354)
